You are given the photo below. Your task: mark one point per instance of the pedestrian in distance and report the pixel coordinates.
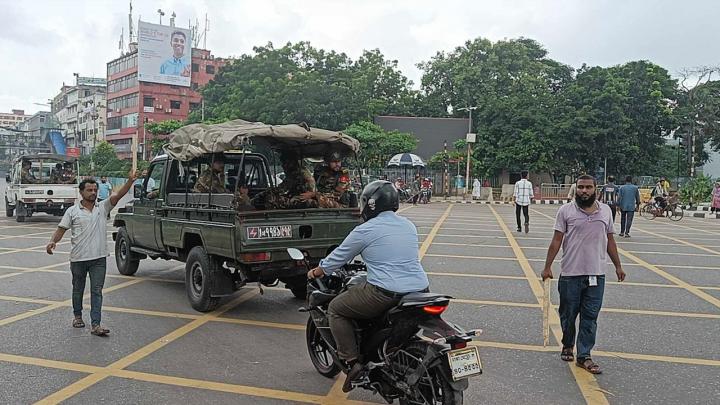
(608, 195)
(716, 198)
(87, 221)
(628, 202)
(104, 189)
(584, 230)
(522, 197)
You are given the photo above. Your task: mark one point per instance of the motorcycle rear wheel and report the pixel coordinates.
(444, 393)
(319, 351)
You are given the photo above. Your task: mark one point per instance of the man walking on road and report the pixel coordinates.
(522, 197)
(87, 221)
(608, 195)
(628, 202)
(584, 229)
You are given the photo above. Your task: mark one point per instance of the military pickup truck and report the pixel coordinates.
(226, 247)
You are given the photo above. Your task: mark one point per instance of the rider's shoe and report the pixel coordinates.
(352, 375)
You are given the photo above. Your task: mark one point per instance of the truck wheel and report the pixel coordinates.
(127, 262)
(20, 218)
(199, 270)
(9, 209)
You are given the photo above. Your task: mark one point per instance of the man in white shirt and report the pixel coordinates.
(522, 197)
(87, 221)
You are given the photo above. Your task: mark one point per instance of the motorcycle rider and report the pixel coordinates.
(387, 243)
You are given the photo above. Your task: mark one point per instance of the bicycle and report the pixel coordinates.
(651, 210)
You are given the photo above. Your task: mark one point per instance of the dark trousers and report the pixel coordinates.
(80, 270)
(578, 298)
(526, 212)
(364, 301)
(626, 220)
(613, 208)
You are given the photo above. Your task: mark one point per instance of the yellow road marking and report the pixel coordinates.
(691, 288)
(433, 232)
(586, 382)
(657, 235)
(471, 257)
(602, 353)
(144, 351)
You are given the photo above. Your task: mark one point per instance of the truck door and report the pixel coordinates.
(147, 208)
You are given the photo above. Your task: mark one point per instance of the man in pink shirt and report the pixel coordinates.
(585, 231)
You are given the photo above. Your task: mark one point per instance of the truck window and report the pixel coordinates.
(154, 180)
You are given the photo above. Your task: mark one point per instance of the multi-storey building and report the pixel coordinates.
(132, 103)
(80, 111)
(13, 119)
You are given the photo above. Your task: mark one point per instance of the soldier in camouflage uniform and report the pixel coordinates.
(212, 179)
(26, 176)
(242, 201)
(333, 182)
(296, 191)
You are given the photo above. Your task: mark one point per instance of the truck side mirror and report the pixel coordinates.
(138, 191)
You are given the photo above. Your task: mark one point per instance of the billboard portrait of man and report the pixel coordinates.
(177, 65)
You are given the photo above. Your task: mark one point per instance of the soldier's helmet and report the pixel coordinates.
(333, 157)
(378, 196)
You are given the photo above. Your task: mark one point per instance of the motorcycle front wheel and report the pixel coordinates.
(319, 351)
(433, 388)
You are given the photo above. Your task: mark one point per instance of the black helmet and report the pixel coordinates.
(378, 196)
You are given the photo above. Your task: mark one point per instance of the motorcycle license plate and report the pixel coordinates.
(464, 363)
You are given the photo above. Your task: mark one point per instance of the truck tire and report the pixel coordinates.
(9, 209)
(20, 218)
(127, 261)
(297, 286)
(199, 271)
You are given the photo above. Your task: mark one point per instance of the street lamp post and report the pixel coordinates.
(470, 138)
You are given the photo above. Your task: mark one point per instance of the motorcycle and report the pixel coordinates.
(424, 197)
(411, 353)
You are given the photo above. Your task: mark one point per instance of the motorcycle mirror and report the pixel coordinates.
(295, 254)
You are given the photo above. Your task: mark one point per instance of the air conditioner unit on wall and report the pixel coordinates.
(159, 106)
(169, 110)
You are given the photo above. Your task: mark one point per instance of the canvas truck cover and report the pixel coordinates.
(196, 140)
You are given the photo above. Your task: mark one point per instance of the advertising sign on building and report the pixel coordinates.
(73, 152)
(164, 54)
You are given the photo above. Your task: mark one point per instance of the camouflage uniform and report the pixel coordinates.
(242, 202)
(26, 176)
(287, 194)
(209, 181)
(332, 187)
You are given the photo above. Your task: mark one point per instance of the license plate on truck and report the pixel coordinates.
(270, 232)
(464, 363)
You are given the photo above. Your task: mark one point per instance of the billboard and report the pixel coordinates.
(164, 54)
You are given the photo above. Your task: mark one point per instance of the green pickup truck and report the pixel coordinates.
(224, 247)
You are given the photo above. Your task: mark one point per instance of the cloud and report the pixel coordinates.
(45, 41)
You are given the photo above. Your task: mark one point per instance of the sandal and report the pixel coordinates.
(567, 354)
(98, 330)
(589, 365)
(78, 323)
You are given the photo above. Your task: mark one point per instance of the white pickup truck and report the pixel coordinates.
(41, 183)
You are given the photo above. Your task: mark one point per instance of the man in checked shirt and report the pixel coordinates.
(522, 197)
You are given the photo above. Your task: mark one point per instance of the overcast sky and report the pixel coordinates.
(44, 41)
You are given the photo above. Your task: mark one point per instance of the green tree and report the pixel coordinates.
(513, 84)
(377, 146)
(698, 110)
(159, 132)
(300, 83)
(622, 114)
(106, 162)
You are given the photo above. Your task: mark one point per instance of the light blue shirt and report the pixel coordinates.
(388, 244)
(173, 66)
(104, 190)
(628, 197)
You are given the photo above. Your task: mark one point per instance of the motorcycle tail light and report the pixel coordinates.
(435, 309)
(458, 345)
